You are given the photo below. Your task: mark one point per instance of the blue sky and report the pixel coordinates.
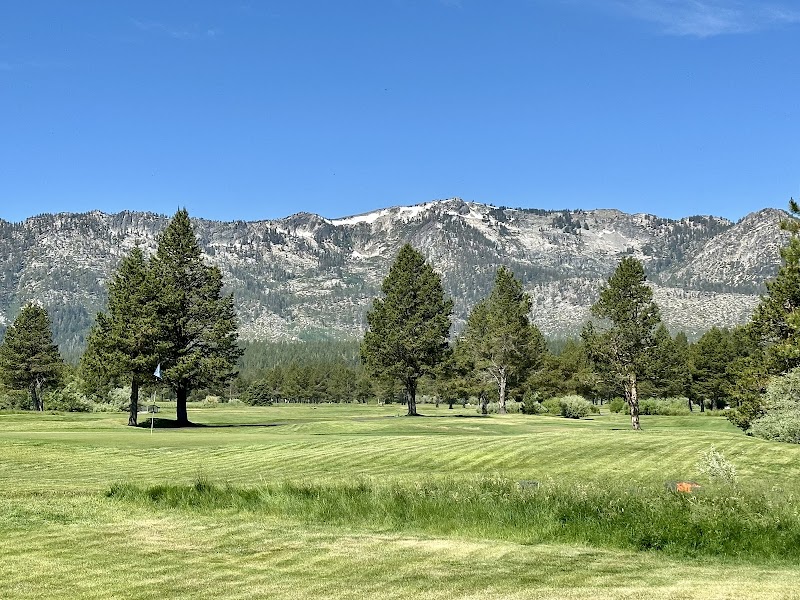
(260, 109)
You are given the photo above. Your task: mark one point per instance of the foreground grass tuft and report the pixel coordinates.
(724, 521)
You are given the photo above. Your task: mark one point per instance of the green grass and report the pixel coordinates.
(356, 501)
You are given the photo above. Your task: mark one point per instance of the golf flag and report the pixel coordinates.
(157, 374)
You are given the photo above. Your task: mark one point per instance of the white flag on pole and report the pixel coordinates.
(157, 373)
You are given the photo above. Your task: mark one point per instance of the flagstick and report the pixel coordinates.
(153, 414)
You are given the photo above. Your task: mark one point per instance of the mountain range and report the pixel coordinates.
(308, 277)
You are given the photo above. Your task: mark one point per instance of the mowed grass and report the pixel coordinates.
(61, 536)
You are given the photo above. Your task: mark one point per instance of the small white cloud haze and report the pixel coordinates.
(706, 18)
(178, 33)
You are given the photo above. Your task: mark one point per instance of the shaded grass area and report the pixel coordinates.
(723, 521)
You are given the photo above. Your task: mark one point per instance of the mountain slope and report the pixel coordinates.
(309, 277)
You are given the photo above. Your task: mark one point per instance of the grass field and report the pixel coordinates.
(62, 534)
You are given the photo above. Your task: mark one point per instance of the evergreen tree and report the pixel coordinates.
(409, 327)
(623, 347)
(710, 357)
(670, 369)
(502, 340)
(197, 322)
(124, 341)
(28, 358)
(776, 320)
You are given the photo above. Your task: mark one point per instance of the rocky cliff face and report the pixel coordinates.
(309, 277)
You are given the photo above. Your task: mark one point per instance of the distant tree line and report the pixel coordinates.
(168, 319)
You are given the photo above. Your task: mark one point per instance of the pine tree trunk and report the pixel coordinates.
(34, 397)
(633, 401)
(503, 381)
(484, 404)
(133, 410)
(182, 416)
(411, 397)
(690, 405)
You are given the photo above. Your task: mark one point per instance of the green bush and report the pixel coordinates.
(14, 399)
(781, 404)
(575, 407)
(667, 407)
(512, 407)
(670, 407)
(779, 426)
(533, 407)
(552, 406)
(718, 468)
(68, 398)
(617, 405)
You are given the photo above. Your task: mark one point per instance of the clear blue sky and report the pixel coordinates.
(258, 109)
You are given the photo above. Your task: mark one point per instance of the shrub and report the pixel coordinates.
(781, 419)
(671, 407)
(716, 466)
(778, 426)
(575, 407)
(533, 407)
(552, 406)
(617, 405)
(668, 407)
(512, 407)
(68, 399)
(14, 399)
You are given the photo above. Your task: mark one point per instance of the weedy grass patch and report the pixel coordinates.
(720, 521)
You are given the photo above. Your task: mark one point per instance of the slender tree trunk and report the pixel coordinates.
(411, 397)
(181, 393)
(39, 384)
(690, 405)
(633, 402)
(484, 403)
(34, 397)
(133, 410)
(502, 379)
(702, 405)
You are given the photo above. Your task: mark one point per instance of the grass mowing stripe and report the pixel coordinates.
(228, 556)
(58, 539)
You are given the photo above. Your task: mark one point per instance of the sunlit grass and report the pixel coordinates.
(60, 536)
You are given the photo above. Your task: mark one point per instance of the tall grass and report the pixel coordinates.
(722, 521)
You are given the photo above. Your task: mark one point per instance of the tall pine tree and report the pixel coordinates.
(28, 358)
(408, 330)
(197, 322)
(776, 320)
(500, 336)
(124, 342)
(623, 345)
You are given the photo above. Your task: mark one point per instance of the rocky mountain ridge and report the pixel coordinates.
(308, 277)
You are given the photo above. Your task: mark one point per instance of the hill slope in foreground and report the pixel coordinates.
(307, 277)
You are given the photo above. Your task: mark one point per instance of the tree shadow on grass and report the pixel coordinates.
(159, 423)
(450, 416)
